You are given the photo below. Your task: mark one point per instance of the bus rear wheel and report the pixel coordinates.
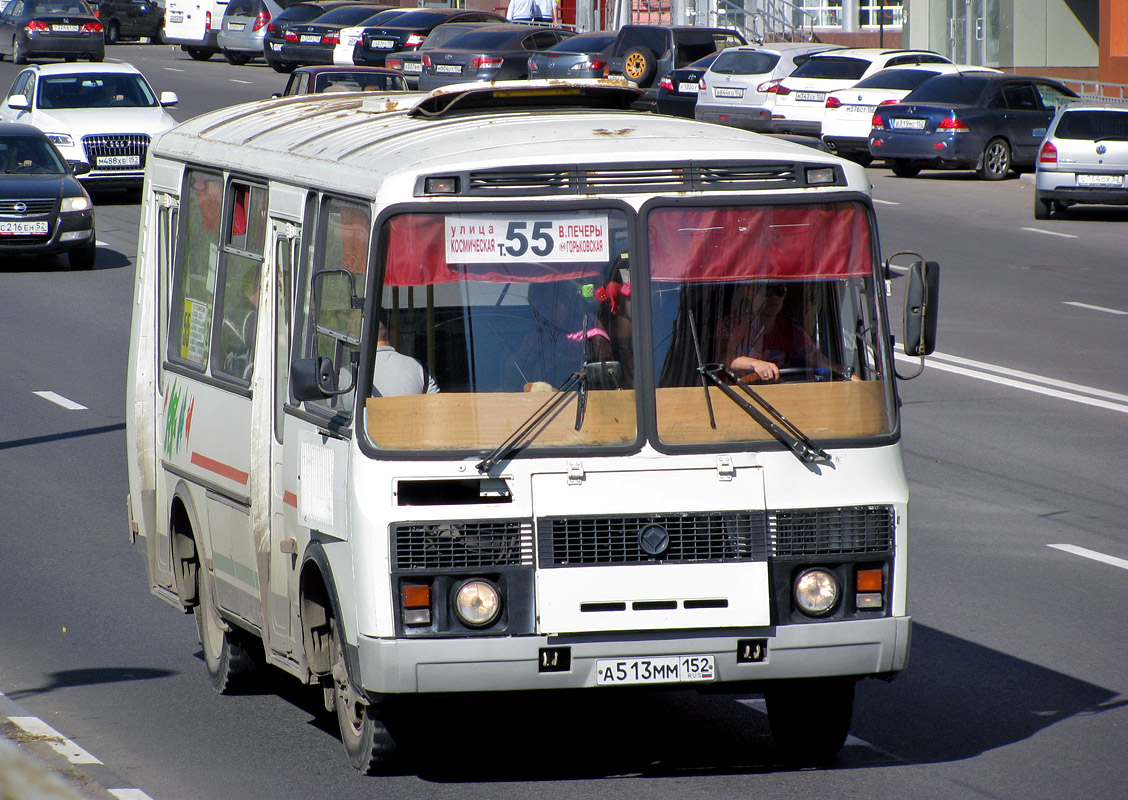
(227, 656)
(810, 718)
(363, 731)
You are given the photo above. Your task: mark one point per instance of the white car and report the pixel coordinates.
(1083, 158)
(737, 88)
(800, 98)
(102, 115)
(848, 113)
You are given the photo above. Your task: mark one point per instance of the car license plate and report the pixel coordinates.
(728, 91)
(660, 669)
(236, 26)
(449, 68)
(65, 28)
(1100, 180)
(810, 97)
(308, 38)
(908, 124)
(412, 66)
(688, 88)
(176, 16)
(276, 46)
(118, 161)
(382, 44)
(860, 109)
(23, 228)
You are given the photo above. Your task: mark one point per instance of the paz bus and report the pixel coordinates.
(507, 387)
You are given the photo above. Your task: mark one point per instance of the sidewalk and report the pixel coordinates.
(24, 778)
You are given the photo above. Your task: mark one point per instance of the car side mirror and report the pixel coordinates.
(18, 102)
(315, 379)
(922, 297)
(169, 99)
(80, 167)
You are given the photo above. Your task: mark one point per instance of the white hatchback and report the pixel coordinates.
(737, 88)
(1083, 158)
(801, 97)
(103, 115)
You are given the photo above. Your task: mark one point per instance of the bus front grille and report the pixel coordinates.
(462, 544)
(852, 530)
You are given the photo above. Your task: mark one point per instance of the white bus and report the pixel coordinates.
(507, 387)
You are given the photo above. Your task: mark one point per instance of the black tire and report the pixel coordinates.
(158, 37)
(199, 53)
(229, 661)
(904, 168)
(236, 59)
(639, 65)
(995, 162)
(1043, 209)
(364, 733)
(83, 257)
(98, 58)
(793, 706)
(281, 67)
(113, 32)
(19, 52)
(865, 159)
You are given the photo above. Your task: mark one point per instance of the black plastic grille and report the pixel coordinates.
(830, 531)
(34, 208)
(462, 544)
(116, 144)
(693, 538)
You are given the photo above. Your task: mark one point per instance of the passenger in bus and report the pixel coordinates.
(567, 334)
(395, 373)
(615, 315)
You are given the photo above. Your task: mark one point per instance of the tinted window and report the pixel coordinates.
(302, 13)
(654, 39)
(485, 40)
(745, 62)
(345, 16)
(239, 8)
(584, 44)
(1093, 125)
(382, 18)
(834, 67)
(445, 33)
(420, 19)
(895, 79)
(949, 89)
(30, 155)
(99, 90)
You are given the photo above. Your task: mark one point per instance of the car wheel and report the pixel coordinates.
(19, 52)
(639, 65)
(230, 664)
(364, 733)
(159, 37)
(98, 58)
(1043, 209)
(995, 162)
(904, 168)
(865, 159)
(792, 705)
(198, 53)
(113, 32)
(285, 69)
(236, 59)
(82, 257)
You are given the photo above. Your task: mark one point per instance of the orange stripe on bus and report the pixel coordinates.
(290, 499)
(220, 468)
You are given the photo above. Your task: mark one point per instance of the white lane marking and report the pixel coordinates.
(59, 743)
(237, 80)
(129, 794)
(1051, 233)
(59, 400)
(1076, 304)
(1093, 554)
(885, 202)
(173, 69)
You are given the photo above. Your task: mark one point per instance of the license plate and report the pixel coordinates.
(412, 66)
(810, 97)
(65, 28)
(1100, 180)
(276, 46)
(860, 109)
(908, 124)
(722, 91)
(688, 88)
(381, 44)
(307, 38)
(661, 669)
(118, 161)
(22, 228)
(449, 68)
(236, 26)
(176, 16)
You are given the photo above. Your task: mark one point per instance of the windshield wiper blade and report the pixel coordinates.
(527, 430)
(773, 422)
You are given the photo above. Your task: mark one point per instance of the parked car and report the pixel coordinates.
(348, 37)
(409, 32)
(194, 25)
(275, 36)
(313, 42)
(677, 91)
(410, 62)
(244, 27)
(43, 209)
(337, 78)
(50, 29)
(130, 19)
(644, 53)
(991, 123)
(848, 113)
(582, 56)
(104, 116)
(737, 89)
(800, 98)
(1083, 159)
(490, 53)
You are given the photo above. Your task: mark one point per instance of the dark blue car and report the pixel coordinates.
(992, 123)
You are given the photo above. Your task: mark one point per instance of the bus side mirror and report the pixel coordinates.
(921, 299)
(315, 379)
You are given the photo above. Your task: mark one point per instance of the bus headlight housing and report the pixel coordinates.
(816, 591)
(477, 603)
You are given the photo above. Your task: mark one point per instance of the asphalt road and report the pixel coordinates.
(1015, 439)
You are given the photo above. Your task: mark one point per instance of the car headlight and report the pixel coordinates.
(477, 603)
(61, 139)
(816, 591)
(80, 203)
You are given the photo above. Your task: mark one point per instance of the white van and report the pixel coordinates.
(195, 26)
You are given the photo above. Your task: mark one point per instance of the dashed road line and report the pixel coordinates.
(1051, 233)
(1088, 307)
(1092, 554)
(59, 400)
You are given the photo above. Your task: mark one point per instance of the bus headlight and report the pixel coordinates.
(816, 591)
(477, 603)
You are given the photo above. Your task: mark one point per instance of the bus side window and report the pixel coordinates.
(241, 262)
(197, 259)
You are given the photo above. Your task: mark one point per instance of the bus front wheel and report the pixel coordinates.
(810, 718)
(228, 659)
(363, 731)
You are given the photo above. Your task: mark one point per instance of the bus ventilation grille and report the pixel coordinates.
(851, 530)
(462, 544)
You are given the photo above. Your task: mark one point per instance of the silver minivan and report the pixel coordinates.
(1083, 158)
(244, 26)
(736, 89)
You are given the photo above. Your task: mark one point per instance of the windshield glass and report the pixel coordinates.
(483, 315)
(895, 79)
(745, 62)
(785, 297)
(834, 67)
(1093, 125)
(584, 44)
(961, 90)
(107, 90)
(30, 155)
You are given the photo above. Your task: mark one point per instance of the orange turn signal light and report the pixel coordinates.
(870, 580)
(416, 596)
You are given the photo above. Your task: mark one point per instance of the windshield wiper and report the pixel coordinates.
(773, 422)
(527, 430)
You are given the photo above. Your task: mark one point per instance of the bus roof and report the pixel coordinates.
(359, 141)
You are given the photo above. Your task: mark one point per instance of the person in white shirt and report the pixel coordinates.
(397, 374)
(531, 10)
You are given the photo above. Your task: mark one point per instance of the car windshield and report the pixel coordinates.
(346, 16)
(97, 90)
(1093, 125)
(745, 62)
(381, 18)
(447, 32)
(583, 44)
(485, 40)
(59, 7)
(358, 82)
(832, 67)
(301, 13)
(420, 19)
(963, 90)
(29, 155)
(902, 79)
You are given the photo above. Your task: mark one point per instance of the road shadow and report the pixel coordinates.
(92, 676)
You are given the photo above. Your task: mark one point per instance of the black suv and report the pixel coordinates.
(643, 54)
(130, 19)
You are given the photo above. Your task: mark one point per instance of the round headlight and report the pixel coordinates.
(816, 591)
(477, 603)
